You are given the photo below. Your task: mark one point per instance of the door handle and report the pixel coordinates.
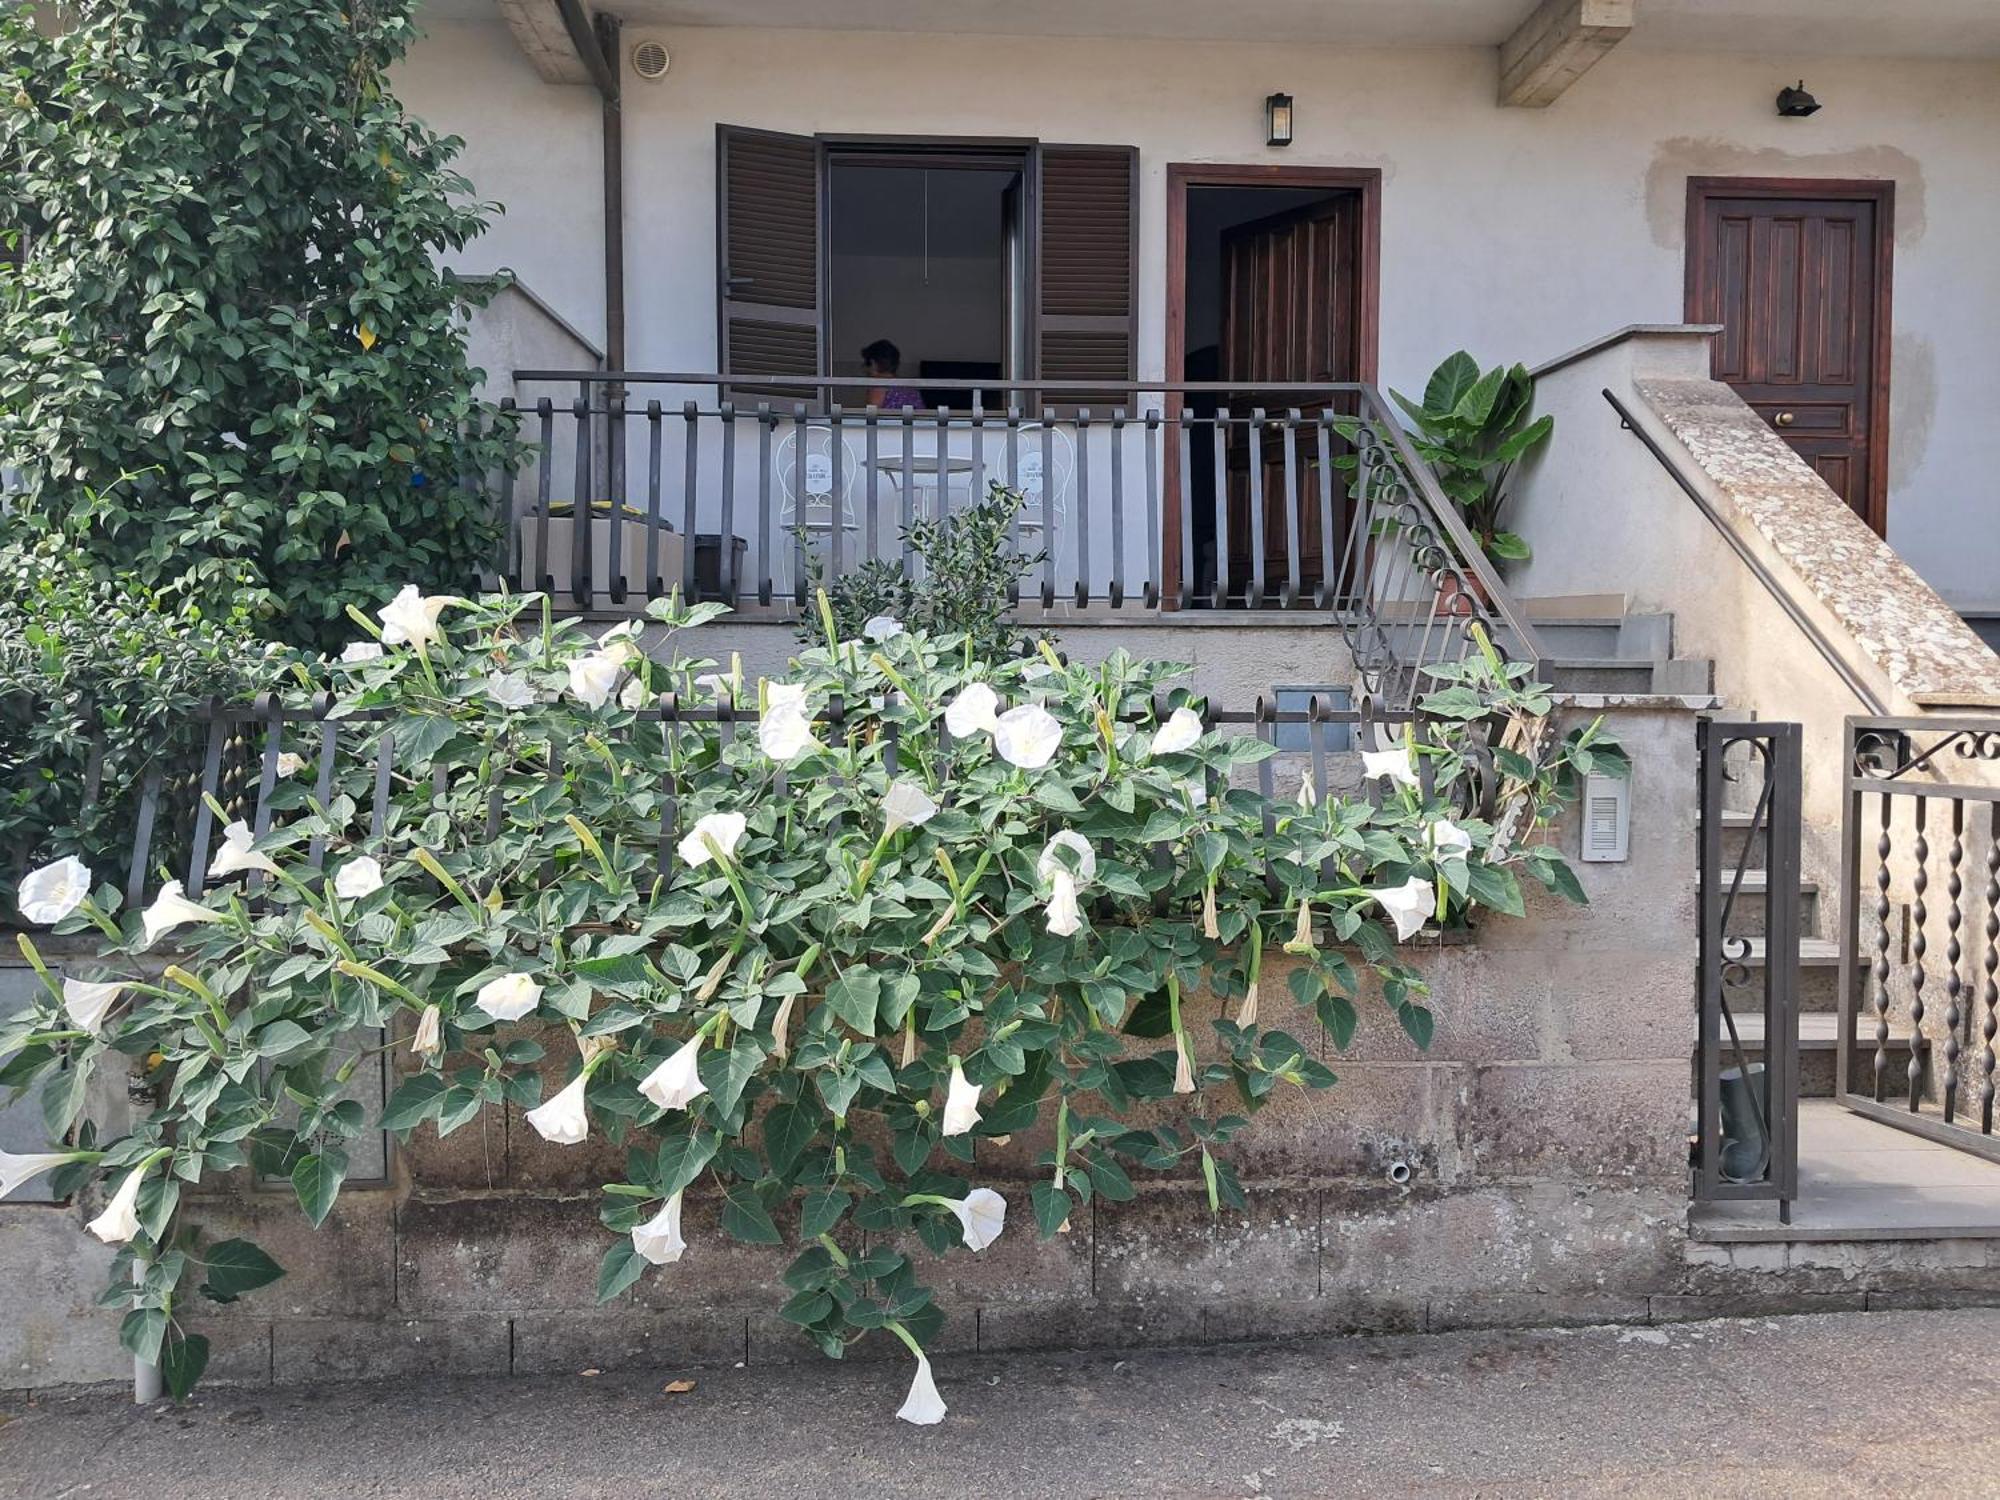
(1785, 419)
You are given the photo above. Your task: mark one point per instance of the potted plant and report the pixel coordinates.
(1472, 429)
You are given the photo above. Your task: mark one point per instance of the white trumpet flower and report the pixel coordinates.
(290, 764)
(923, 1406)
(781, 1025)
(882, 628)
(562, 1119)
(711, 832)
(20, 1168)
(354, 653)
(593, 676)
(982, 1214)
(1028, 736)
(976, 710)
(358, 879)
(1409, 905)
(87, 1002)
(429, 1039)
(411, 619)
(1183, 1064)
(906, 805)
(171, 909)
(1447, 840)
(1181, 733)
(961, 1102)
(120, 1220)
(1065, 917)
(1396, 763)
(676, 1083)
(510, 690)
(1077, 844)
(1247, 1016)
(658, 1240)
(237, 854)
(784, 729)
(509, 997)
(633, 695)
(51, 893)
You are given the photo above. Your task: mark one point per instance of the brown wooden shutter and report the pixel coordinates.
(1087, 264)
(767, 253)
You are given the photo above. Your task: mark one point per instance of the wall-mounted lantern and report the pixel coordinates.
(1278, 120)
(1795, 103)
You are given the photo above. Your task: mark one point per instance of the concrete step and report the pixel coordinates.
(1753, 893)
(1736, 824)
(1819, 972)
(1606, 636)
(1676, 676)
(1819, 1048)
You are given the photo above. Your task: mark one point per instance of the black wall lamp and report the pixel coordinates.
(1278, 120)
(1795, 103)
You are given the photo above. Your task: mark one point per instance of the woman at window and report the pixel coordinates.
(882, 360)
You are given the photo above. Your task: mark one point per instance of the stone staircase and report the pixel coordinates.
(1595, 645)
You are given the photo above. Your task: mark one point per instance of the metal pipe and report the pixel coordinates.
(585, 43)
(1762, 574)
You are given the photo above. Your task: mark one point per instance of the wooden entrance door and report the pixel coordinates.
(1797, 274)
(1291, 293)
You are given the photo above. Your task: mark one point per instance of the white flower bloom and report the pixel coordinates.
(722, 829)
(235, 856)
(290, 764)
(510, 690)
(51, 893)
(1028, 736)
(1447, 840)
(718, 685)
(120, 1219)
(961, 1102)
(592, 677)
(1035, 671)
(171, 909)
(784, 730)
(781, 1025)
(1181, 732)
(429, 1040)
(509, 997)
(1395, 763)
(658, 1240)
(562, 1120)
(1409, 904)
(87, 1003)
(976, 710)
(1065, 916)
(882, 628)
(923, 1406)
(1308, 793)
(905, 805)
(358, 879)
(676, 1083)
(412, 620)
(356, 652)
(633, 695)
(17, 1169)
(1247, 1016)
(1086, 857)
(982, 1214)
(1183, 1065)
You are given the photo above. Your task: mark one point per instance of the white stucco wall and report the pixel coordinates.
(1516, 233)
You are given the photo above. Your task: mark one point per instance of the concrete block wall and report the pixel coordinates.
(1544, 1129)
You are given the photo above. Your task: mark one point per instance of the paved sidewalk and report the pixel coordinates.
(1847, 1404)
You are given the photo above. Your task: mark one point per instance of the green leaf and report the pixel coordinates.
(680, 1161)
(788, 1129)
(1449, 382)
(236, 1267)
(1052, 1207)
(1418, 1022)
(855, 998)
(820, 1209)
(1495, 886)
(416, 1099)
(744, 1217)
(182, 1362)
(317, 1182)
(622, 1265)
(727, 1073)
(142, 1331)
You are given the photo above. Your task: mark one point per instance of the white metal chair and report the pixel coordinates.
(816, 470)
(1044, 496)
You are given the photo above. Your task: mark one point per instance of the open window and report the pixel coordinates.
(972, 261)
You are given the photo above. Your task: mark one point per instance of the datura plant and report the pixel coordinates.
(804, 943)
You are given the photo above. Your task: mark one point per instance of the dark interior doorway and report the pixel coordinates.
(1271, 280)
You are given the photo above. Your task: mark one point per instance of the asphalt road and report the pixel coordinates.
(1848, 1404)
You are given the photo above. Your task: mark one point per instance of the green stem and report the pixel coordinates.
(909, 1339)
(839, 1255)
(1062, 1143)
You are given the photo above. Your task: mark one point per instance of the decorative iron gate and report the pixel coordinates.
(1917, 1029)
(1747, 1070)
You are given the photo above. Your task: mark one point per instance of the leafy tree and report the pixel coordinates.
(227, 350)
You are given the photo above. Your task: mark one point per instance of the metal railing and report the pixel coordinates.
(1190, 495)
(1747, 1065)
(1919, 1016)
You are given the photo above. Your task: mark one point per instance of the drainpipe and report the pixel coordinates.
(598, 47)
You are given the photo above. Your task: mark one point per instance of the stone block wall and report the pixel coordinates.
(1544, 1131)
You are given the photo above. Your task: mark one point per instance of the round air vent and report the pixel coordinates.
(650, 60)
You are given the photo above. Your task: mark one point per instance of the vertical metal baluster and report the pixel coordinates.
(614, 461)
(1116, 593)
(580, 509)
(385, 758)
(874, 463)
(1186, 596)
(1050, 538)
(510, 541)
(323, 784)
(272, 712)
(1316, 712)
(690, 481)
(836, 449)
(1151, 435)
(767, 429)
(1083, 578)
(1954, 987)
(1014, 484)
(1919, 945)
(1221, 455)
(942, 422)
(545, 418)
(1991, 995)
(1293, 587)
(654, 435)
(725, 554)
(211, 785)
(670, 800)
(907, 499)
(1355, 562)
(976, 491)
(1267, 731)
(1329, 583)
(1159, 856)
(142, 838)
(1254, 462)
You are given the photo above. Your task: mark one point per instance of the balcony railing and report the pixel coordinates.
(1162, 497)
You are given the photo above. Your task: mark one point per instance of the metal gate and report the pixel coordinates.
(1746, 1065)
